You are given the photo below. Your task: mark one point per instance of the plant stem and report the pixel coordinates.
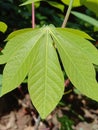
(67, 14)
(37, 122)
(33, 16)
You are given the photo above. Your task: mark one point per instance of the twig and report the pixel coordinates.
(67, 81)
(67, 14)
(37, 122)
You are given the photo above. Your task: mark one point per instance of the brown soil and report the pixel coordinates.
(18, 113)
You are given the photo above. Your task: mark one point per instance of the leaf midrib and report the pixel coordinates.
(46, 60)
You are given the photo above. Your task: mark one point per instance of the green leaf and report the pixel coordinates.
(18, 65)
(3, 27)
(66, 123)
(84, 45)
(12, 45)
(33, 54)
(18, 32)
(37, 58)
(29, 7)
(76, 63)
(75, 3)
(92, 5)
(16, 41)
(2, 59)
(46, 83)
(79, 33)
(86, 18)
(57, 5)
(30, 2)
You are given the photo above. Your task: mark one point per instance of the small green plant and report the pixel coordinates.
(66, 123)
(33, 53)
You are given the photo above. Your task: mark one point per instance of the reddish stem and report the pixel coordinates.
(33, 16)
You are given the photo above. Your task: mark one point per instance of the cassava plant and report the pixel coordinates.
(33, 53)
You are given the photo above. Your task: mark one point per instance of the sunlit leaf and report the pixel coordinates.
(34, 53)
(76, 63)
(18, 32)
(3, 27)
(19, 64)
(75, 3)
(84, 45)
(15, 43)
(45, 80)
(79, 33)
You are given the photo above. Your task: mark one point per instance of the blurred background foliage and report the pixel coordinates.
(17, 17)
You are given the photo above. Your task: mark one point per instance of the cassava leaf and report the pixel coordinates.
(76, 63)
(3, 27)
(45, 80)
(86, 18)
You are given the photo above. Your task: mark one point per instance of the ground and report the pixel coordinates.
(74, 112)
